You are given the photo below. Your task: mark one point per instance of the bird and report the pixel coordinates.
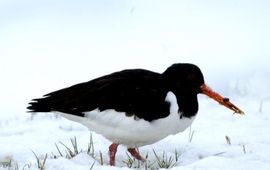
(133, 107)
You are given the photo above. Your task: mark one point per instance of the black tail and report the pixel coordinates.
(39, 105)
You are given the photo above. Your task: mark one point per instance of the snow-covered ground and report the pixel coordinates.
(249, 148)
(47, 45)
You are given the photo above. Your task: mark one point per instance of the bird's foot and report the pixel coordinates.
(112, 153)
(135, 153)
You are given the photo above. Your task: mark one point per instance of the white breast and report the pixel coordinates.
(131, 131)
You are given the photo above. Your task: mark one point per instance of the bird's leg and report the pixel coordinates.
(112, 152)
(135, 153)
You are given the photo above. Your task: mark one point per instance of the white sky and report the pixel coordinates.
(46, 45)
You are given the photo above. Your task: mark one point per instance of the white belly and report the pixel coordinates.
(131, 131)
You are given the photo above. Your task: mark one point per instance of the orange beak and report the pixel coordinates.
(221, 100)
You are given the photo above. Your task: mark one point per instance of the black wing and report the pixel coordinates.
(135, 92)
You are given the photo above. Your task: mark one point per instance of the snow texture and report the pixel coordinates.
(48, 45)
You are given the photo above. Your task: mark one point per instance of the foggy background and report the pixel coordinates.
(47, 45)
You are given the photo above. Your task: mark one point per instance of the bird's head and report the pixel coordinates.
(188, 79)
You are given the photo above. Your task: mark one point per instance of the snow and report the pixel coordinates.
(48, 45)
(249, 147)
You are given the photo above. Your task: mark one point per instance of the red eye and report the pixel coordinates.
(191, 77)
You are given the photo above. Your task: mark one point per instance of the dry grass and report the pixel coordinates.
(157, 160)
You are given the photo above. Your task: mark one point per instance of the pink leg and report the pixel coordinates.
(112, 152)
(135, 153)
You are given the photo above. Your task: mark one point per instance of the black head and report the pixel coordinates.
(186, 81)
(183, 77)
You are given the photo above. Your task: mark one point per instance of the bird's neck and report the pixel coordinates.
(188, 104)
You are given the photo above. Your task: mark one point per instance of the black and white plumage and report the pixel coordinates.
(131, 107)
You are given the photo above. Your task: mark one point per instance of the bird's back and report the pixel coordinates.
(136, 92)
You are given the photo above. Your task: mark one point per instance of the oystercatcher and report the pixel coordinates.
(133, 107)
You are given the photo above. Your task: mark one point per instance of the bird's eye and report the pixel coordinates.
(191, 77)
